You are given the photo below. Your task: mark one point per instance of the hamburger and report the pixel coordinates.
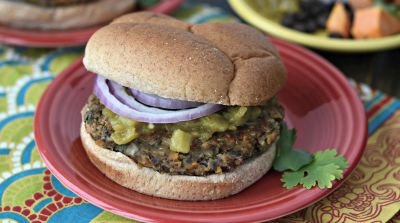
(61, 14)
(182, 111)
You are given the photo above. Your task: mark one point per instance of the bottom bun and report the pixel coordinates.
(127, 173)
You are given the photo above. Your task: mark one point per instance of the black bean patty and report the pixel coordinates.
(51, 3)
(223, 152)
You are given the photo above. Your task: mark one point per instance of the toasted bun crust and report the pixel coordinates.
(224, 63)
(125, 172)
(29, 16)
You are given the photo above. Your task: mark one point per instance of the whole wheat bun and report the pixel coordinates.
(29, 16)
(223, 63)
(124, 171)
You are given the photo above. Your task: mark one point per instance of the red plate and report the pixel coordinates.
(78, 37)
(318, 100)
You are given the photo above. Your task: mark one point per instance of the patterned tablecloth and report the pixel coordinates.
(30, 193)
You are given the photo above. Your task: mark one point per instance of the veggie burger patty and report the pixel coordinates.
(212, 149)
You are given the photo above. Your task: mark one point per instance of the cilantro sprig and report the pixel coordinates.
(326, 167)
(286, 157)
(303, 168)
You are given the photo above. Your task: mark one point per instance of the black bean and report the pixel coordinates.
(336, 35)
(300, 17)
(165, 168)
(213, 164)
(188, 160)
(306, 4)
(311, 26)
(288, 20)
(88, 117)
(299, 27)
(203, 162)
(120, 148)
(234, 153)
(225, 168)
(154, 160)
(321, 21)
(315, 9)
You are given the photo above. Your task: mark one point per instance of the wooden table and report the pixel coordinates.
(380, 70)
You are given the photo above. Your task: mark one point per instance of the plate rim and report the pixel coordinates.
(251, 16)
(256, 214)
(73, 38)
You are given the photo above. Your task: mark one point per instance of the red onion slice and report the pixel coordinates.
(119, 92)
(102, 91)
(157, 101)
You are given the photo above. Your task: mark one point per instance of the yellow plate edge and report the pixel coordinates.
(338, 45)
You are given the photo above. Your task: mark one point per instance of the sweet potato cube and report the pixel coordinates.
(339, 20)
(374, 22)
(358, 4)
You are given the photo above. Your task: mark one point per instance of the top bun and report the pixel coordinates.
(223, 63)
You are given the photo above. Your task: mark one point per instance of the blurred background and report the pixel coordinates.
(379, 69)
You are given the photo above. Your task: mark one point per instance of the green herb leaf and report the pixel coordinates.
(391, 8)
(287, 138)
(291, 179)
(286, 157)
(326, 167)
(330, 156)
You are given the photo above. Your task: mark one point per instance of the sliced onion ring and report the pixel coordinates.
(157, 101)
(119, 92)
(102, 91)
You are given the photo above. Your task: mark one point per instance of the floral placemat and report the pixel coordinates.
(30, 193)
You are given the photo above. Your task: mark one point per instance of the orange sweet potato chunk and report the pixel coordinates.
(339, 20)
(357, 4)
(374, 22)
